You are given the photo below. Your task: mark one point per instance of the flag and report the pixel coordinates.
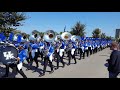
(11, 36)
(2, 36)
(19, 38)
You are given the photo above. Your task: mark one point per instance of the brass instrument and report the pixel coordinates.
(75, 38)
(49, 36)
(66, 36)
(57, 38)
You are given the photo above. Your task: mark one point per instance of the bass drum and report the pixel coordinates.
(8, 54)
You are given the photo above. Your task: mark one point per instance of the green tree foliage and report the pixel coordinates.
(60, 33)
(103, 35)
(9, 20)
(78, 29)
(96, 33)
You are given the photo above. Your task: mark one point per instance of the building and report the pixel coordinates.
(117, 33)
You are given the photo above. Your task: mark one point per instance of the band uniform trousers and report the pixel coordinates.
(101, 47)
(46, 60)
(89, 50)
(71, 56)
(59, 59)
(15, 70)
(81, 53)
(40, 53)
(95, 50)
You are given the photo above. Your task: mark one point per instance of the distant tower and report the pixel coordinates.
(117, 34)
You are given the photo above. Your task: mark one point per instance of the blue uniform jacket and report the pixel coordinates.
(41, 44)
(34, 46)
(51, 50)
(22, 55)
(63, 45)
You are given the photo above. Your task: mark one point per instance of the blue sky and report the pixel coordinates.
(43, 21)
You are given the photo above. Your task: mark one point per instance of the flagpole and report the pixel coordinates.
(64, 28)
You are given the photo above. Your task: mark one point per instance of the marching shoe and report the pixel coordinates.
(56, 68)
(41, 74)
(68, 64)
(75, 63)
(51, 72)
(63, 66)
(27, 69)
(4, 76)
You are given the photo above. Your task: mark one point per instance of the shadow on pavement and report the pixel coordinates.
(3, 70)
(33, 68)
(104, 55)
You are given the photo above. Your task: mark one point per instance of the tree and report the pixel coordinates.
(35, 32)
(103, 35)
(56, 33)
(108, 37)
(8, 20)
(96, 33)
(61, 33)
(78, 29)
(41, 34)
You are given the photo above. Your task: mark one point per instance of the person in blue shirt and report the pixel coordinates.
(95, 47)
(33, 54)
(62, 48)
(57, 57)
(81, 49)
(71, 52)
(17, 67)
(48, 57)
(85, 48)
(90, 46)
(41, 47)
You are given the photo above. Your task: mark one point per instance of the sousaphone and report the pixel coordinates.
(49, 36)
(75, 38)
(66, 36)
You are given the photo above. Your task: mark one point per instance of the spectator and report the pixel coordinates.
(114, 61)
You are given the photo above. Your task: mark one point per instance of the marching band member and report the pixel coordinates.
(95, 47)
(48, 57)
(34, 54)
(17, 67)
(89, 47)
(71, 51)
(86, 48)
(26, 45)
(41, 48)
(57, 55)
(33, 50)
(76, 45)
(81, 49)
(98, 45)
(61, 52)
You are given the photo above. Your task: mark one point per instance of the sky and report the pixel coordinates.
(108, 22)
